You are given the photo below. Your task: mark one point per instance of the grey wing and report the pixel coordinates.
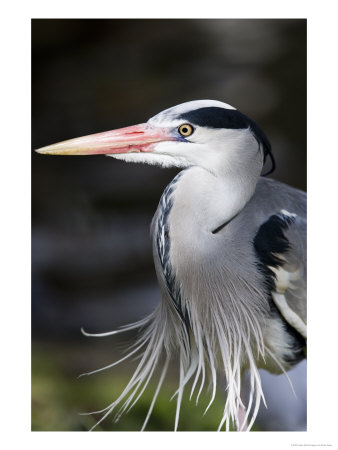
(281, 245)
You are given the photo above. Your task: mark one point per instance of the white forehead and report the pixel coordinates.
(171, 113)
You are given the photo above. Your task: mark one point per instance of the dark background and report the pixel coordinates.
(91, 253)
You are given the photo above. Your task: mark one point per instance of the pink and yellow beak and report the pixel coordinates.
(134, 139)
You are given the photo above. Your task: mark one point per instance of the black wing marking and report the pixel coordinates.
(279, 248)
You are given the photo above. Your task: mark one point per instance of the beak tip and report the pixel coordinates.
(55, 149)
(41, 151)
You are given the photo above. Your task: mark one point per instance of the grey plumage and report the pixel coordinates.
(220, 285)
(230, 255)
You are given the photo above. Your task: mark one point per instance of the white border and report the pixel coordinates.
(15, 224)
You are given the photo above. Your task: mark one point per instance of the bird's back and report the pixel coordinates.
(272, 196)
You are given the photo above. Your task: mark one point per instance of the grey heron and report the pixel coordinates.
(229, 248)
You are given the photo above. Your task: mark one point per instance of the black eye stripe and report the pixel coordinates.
(215, 117)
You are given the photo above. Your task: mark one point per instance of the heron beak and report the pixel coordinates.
(134, 139)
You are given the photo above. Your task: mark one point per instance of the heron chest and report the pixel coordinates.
(179, 243)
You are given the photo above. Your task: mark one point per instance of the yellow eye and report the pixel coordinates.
(186, 129)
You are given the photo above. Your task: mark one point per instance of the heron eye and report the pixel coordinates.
(186, 129)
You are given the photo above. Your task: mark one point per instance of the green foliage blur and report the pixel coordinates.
(59, 397)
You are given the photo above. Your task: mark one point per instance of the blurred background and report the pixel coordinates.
(91, 253)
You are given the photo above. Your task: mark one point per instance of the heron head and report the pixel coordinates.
(205, 133)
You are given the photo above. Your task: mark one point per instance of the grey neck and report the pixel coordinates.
(203, 201)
